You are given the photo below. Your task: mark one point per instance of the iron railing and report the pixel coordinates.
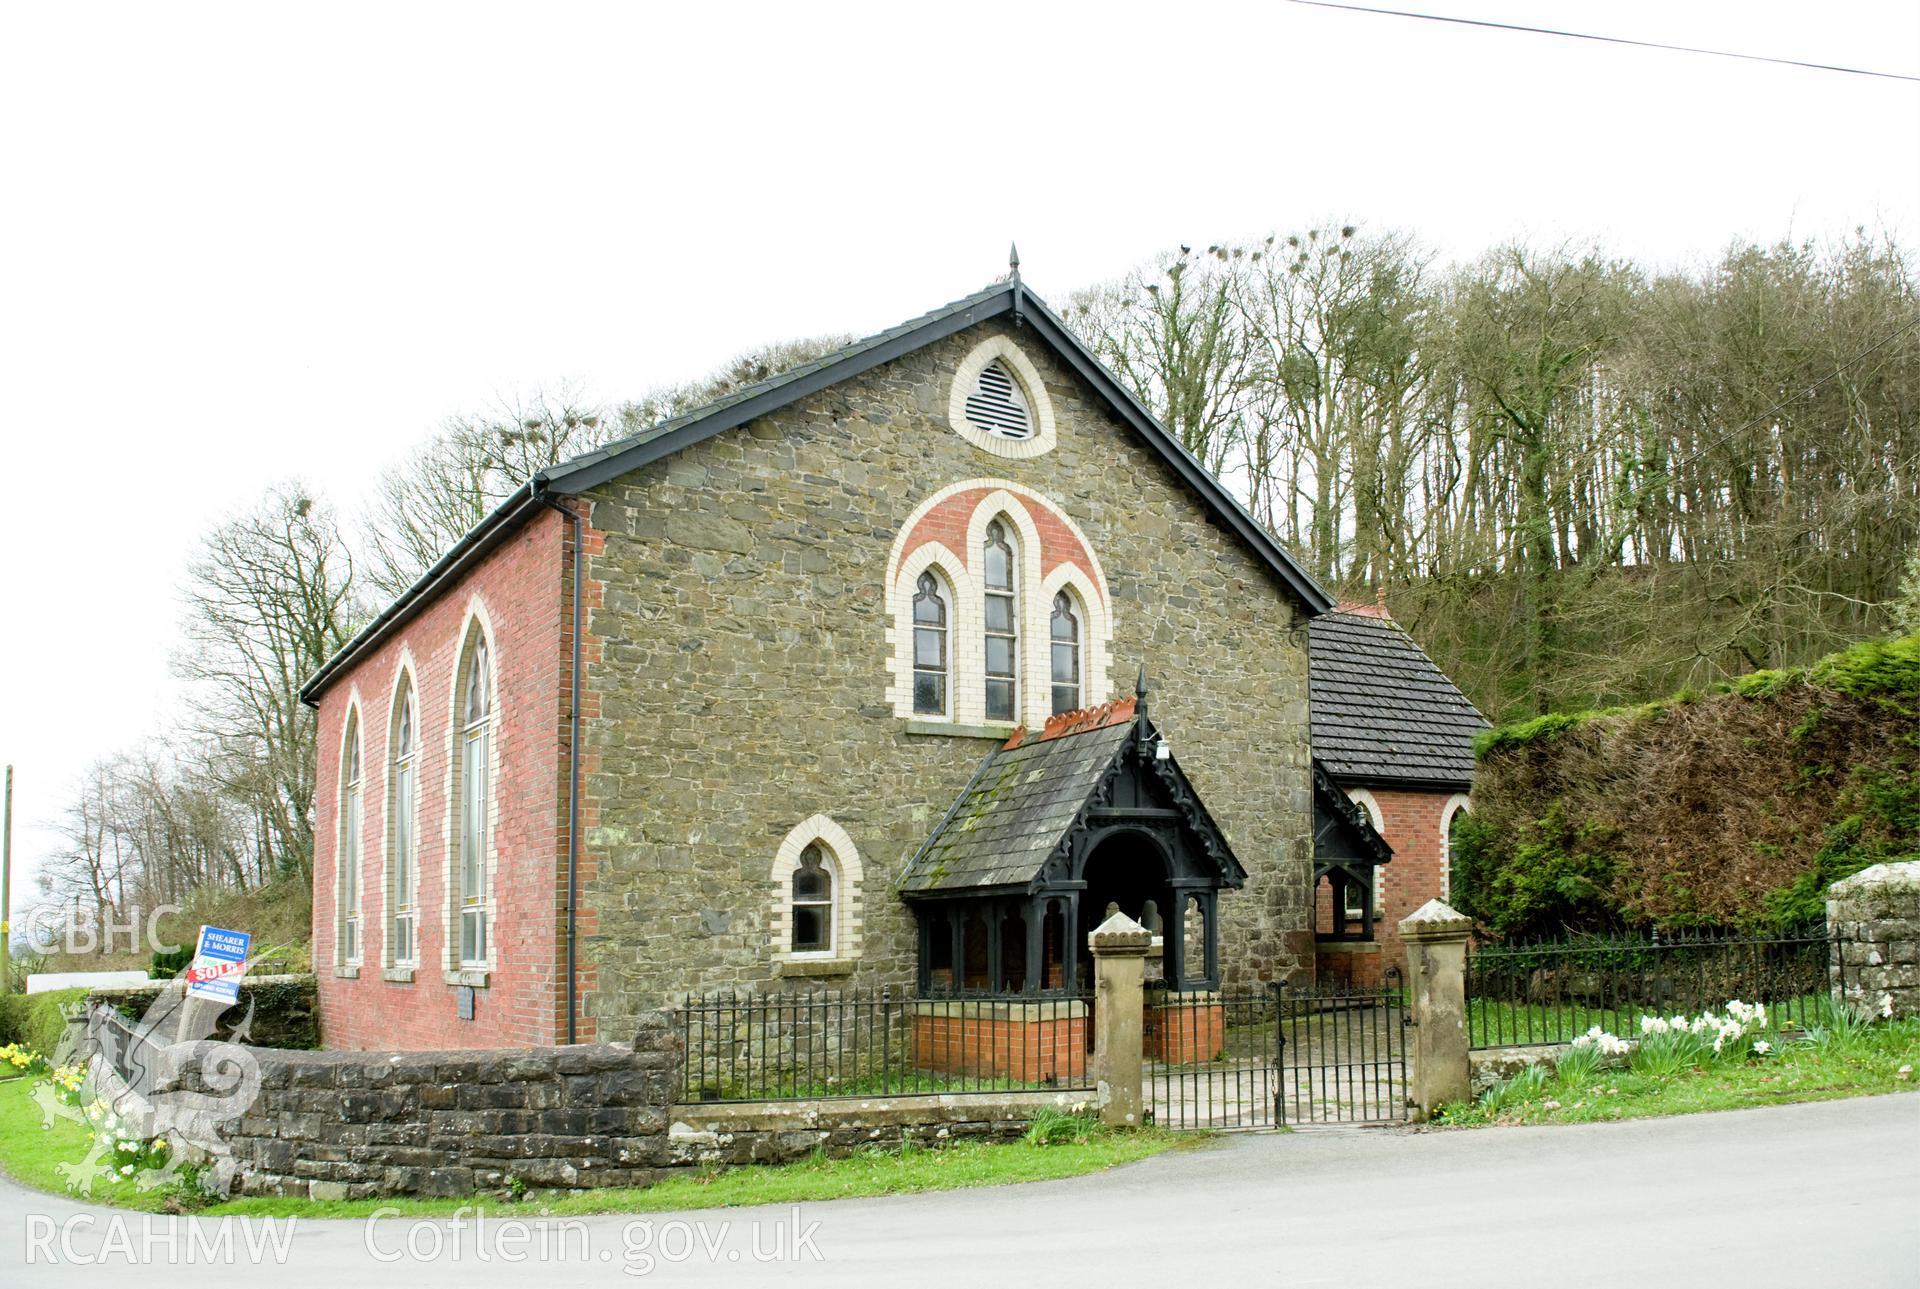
(1522, 995)
(813, 1043)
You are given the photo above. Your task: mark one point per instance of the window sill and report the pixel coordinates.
(813, 968)
(349, 972)
(471, 977)
(398, 975)
(952, 729)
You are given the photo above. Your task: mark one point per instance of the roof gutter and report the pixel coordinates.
(480, 539)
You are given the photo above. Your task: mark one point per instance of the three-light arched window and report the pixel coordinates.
(476, 799)
(1065, 633)
(812, 903)
(1000, 567)
(349, 862)
(931, 668)
(403, 947)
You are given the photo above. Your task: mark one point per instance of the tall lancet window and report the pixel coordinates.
(476, 799)
(1066, 654)
(402, 941)
(930, 667)
(350, 822)
(1003, 616)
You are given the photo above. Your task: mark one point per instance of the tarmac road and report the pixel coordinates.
(1806, 1195)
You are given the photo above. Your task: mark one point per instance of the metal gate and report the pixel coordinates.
(1273, 1055)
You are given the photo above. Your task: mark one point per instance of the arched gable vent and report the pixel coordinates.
(997, 404)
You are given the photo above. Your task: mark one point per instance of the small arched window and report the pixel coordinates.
(1002, 618)
(402, 919)
(1066, 655)
(930, 665)
(997, 405)
(812, 903)
(476, 799)
(350, 821)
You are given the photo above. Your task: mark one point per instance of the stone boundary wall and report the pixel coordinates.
(1873, 919)
(285, 1008)
(353, 1125)
(348, 1125)
(772, 1132)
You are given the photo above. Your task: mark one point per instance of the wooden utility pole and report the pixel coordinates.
(6, 892)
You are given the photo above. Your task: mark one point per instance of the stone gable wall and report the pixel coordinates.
(742, 622)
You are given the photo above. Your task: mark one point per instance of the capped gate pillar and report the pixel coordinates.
(1119, 968)
(1436, 940)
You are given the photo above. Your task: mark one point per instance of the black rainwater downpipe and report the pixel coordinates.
(573, 759)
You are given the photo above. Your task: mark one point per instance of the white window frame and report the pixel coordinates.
(1457, 804)
(349, 925)
(841, 859)
(1078, 614)
(402, 823)
(473, 749)
(943, 589)
(1009, 540)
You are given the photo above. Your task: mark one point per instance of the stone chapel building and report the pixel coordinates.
(895, 669)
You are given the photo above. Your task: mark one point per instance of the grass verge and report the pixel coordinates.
(1823, 1067)
(32, 1154)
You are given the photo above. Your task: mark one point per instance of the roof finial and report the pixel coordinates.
(1013, 260)
(1140, 685)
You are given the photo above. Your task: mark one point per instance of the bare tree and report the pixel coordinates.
(268, 601)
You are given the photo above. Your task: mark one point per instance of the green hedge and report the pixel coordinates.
(37, 1020)
(1733, 807)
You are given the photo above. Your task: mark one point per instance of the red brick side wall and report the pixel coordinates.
(1412, 822)
(1033, 1049)
(1185, 1033)
(522, 586)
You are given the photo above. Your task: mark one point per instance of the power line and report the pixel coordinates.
(1611, 40)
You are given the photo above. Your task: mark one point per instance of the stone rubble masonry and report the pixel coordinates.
(279, 1011)
(741, 628)
(1873, 920)
(355, 1125)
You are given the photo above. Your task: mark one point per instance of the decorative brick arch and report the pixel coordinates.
(843, 862)
(946, 532)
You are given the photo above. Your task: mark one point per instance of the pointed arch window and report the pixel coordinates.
(1065, 632)
(931, 667)
(1002, 623)
(812, 903)
(476, 802)
(997, 405)
(350, 820)
(403, 948)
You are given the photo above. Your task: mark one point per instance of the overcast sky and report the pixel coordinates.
(242, 243)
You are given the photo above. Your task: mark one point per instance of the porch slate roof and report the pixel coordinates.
(1381, 711)
(1021, 802)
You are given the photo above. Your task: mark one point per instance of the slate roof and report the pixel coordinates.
(1002, 298)
(1020, 804)
(1381, 711)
